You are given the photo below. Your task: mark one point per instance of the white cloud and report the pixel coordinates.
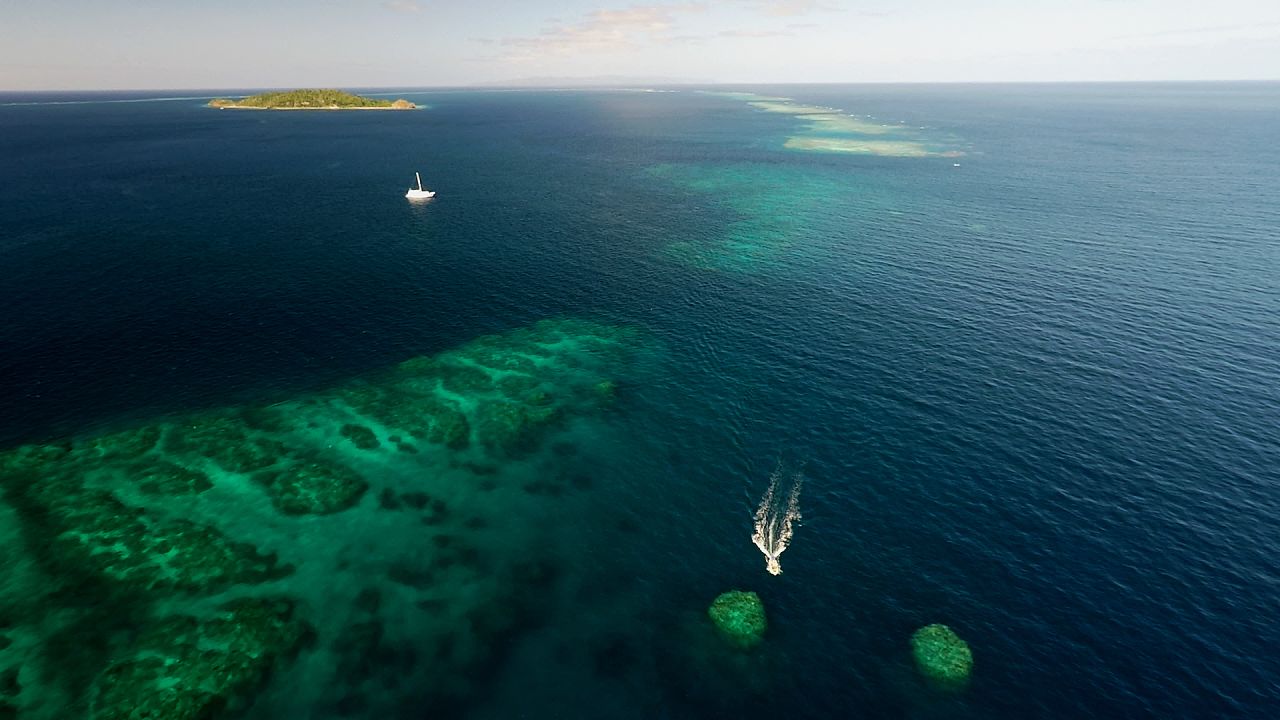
(635, 26)
(1201, 32)
(789, 8)
(755, 33)
(604, 30)
(403, 6)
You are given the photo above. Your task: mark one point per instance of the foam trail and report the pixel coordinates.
(776, 516)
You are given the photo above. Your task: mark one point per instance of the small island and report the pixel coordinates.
(310, 100)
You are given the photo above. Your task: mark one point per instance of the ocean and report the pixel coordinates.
(276, 442)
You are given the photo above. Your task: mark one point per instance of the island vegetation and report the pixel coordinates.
(311, 100)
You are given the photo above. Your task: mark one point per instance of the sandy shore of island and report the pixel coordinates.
(328, 107)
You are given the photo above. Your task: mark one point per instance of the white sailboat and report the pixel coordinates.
(418, 193)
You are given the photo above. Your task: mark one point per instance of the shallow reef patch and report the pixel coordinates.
(739, 617)
(764, 226)
(186, 668)
(942, 657)
(831, 130)
(312, 487)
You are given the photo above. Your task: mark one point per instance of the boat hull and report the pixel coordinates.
(420, 194)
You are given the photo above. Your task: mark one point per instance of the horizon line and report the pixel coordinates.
(624, 83)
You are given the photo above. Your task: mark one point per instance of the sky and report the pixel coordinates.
(213, 44)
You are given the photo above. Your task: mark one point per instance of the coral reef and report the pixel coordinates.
(942, 656)
(514, 429)
(830, 130)
(10, 688)
(863, 146)
(127, 443)
(511, 389)
(360, 436)
(449, 427)
(225, 439)
(759, 227)
(151, 528)
(606, 391)
(90, 533)
(160, 477)
(739, 616)
(96, 532)
(312, 487)
(417, 410)
(463, 379)
(186, 668)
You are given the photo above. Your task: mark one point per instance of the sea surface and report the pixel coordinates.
(1026, 357)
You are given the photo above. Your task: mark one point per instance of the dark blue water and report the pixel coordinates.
(1036, 396)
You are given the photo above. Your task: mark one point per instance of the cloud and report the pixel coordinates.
(604, 30)
(635, 26)
(755, 33)
(1201, 31)
(789, 8)
(403, 6)
(685, 39)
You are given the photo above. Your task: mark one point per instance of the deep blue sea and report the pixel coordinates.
(1031, 375)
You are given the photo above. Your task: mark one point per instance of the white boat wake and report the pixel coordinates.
(776, 517)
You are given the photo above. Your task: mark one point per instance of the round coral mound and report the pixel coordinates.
(312, 487)
(942, 656)
(739, 616)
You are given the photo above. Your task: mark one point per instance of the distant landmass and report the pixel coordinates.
(311, 100)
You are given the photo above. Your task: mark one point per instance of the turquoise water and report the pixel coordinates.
(279, 444)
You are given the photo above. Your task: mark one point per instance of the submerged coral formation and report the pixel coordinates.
(232, 525)
(187, 668)
(90, 531)
(360, 436)
(514, 428)
(10, 689)
(312, 487)
(942, 656)
(862, 146)
(762, 226)
(128, 547)
(161, 477)
(739, 616)
(415, 409)
(505, 392)
(829, 130)
(829, 118)
(224, 438)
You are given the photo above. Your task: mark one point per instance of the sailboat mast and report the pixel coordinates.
(419, 180)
